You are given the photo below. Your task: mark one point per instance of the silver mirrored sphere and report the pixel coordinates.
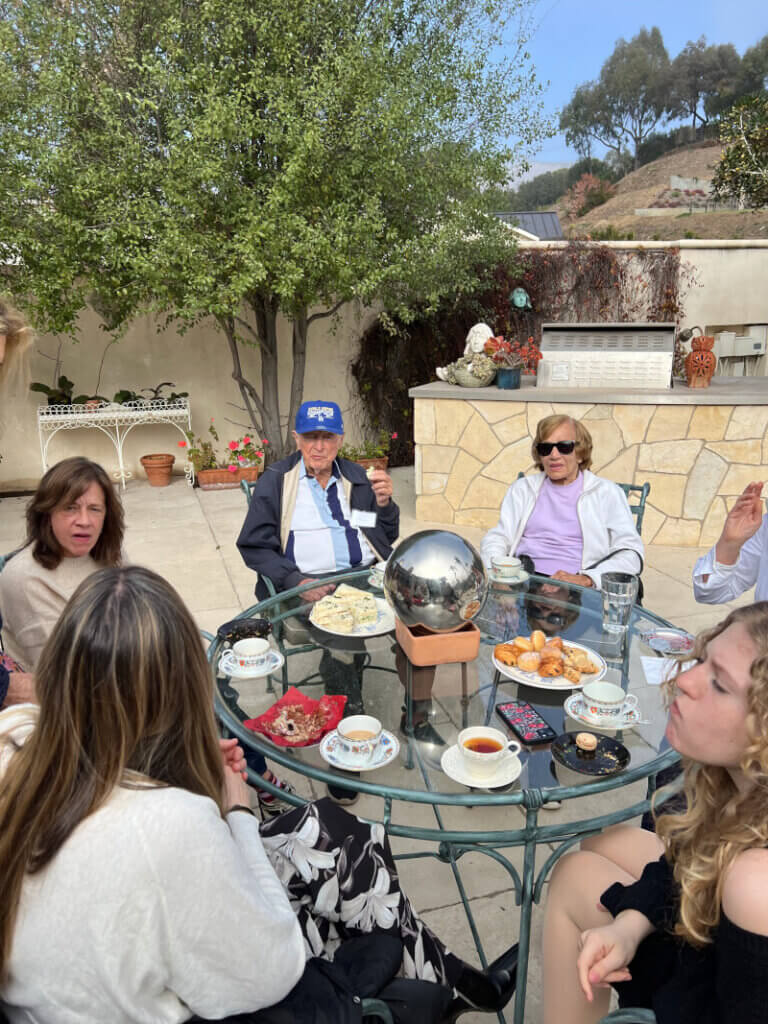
(436, 579)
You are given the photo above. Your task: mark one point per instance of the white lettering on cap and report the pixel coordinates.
(320, 412)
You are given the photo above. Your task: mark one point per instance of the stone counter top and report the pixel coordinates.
(722, 391)
(698, 449)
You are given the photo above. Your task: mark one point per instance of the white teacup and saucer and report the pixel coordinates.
(483, 758)
(249, 659)
(604, 705)
(359, 744)
(507, 569)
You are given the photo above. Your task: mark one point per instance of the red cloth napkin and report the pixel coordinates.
(332, 706)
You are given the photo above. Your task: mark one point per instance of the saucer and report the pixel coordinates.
(574, 706)
(508, 581)
(387, 750)
(272, 663)
(453, 765)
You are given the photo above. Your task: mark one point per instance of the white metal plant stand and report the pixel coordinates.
(116, 421)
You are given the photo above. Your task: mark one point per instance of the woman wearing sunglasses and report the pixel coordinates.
(571, 524)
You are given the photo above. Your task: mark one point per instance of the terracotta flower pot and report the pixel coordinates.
(381, 462)
(225, 479)
(158, 469)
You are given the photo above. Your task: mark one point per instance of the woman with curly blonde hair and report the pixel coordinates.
(678, 921)
(15, 338)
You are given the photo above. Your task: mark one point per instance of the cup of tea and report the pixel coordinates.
(607, 702)
(359, 738)
(251, 653)
(483, 748)
(508, 567)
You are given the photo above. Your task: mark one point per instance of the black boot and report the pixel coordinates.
(485, 991)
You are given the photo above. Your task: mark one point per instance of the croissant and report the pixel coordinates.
(555, 641)
(506, 654)
(571, 674)
(522, 643)
(551, 667)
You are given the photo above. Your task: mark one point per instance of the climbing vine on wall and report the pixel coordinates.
(581, 282)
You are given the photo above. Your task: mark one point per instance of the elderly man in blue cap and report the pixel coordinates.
(313, 513)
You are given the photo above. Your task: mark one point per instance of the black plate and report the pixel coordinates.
(609, 758)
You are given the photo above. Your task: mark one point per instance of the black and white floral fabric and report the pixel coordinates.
(341, 879)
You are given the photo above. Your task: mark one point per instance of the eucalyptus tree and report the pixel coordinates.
(742, 171)
(246, 159)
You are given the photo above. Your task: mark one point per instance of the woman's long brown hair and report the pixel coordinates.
(126, 698)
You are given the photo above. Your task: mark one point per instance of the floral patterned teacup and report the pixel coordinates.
(359, 738)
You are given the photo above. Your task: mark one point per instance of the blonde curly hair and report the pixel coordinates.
(18, 337)
(719, 821)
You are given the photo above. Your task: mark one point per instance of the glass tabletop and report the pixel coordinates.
(374, 675)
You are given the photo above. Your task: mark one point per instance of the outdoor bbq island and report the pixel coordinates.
(697, 447)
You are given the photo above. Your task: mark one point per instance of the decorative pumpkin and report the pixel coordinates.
(700, 362)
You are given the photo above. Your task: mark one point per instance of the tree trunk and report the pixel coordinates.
(299, 349)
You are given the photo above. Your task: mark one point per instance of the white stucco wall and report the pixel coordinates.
(198, 362)
(731, 289)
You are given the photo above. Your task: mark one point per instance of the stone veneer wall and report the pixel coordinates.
(697, 459)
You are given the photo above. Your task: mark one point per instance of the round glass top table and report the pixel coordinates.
(426, 708)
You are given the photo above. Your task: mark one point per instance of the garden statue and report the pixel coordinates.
(474, 368)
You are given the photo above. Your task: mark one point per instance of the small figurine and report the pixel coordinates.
(474, 363)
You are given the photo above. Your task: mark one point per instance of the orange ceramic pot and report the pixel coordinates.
(700, 362)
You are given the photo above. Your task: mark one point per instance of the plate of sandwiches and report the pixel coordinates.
(352, 612)
(549, 663)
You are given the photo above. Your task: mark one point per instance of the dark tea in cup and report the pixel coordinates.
(483, 745)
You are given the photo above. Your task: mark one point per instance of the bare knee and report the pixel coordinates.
(570, 869)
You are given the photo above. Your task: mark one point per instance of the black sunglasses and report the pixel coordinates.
(564, 447)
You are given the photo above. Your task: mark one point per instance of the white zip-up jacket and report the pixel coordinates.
(728, 582)
(611, 542)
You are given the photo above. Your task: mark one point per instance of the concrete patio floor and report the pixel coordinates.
(189, 535)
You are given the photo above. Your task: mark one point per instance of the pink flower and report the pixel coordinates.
(233, 446)
(241, 458)
(182, 444)
(232, 469)
(260, 455)
(246, 440)
(264, 440)
(394, 436)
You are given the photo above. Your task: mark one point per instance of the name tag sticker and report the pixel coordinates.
(361, 520)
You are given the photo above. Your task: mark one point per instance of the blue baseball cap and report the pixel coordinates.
(319, 415)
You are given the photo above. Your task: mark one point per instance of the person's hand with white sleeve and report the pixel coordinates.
(741, 523)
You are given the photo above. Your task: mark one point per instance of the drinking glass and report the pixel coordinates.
(619, 594)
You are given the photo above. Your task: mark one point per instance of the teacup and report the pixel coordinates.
(607, 701)
(359, 738)
(507, 566)
(483, 748)
(252, 652)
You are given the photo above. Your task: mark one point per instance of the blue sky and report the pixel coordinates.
(573, 38)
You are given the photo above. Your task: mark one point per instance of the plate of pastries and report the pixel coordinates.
(550, 663)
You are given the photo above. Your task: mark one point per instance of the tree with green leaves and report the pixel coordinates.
(245, 159)
(699, 76)
(627, 102)
(742, 172)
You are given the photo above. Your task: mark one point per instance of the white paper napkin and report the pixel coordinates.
(658, 670)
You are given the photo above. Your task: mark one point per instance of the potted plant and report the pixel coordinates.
(61, 393)
(518, 357)
(158, 469)
(509, 363)
(242, 460)
(370, 453)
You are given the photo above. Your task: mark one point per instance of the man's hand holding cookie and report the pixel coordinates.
(381, 483)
